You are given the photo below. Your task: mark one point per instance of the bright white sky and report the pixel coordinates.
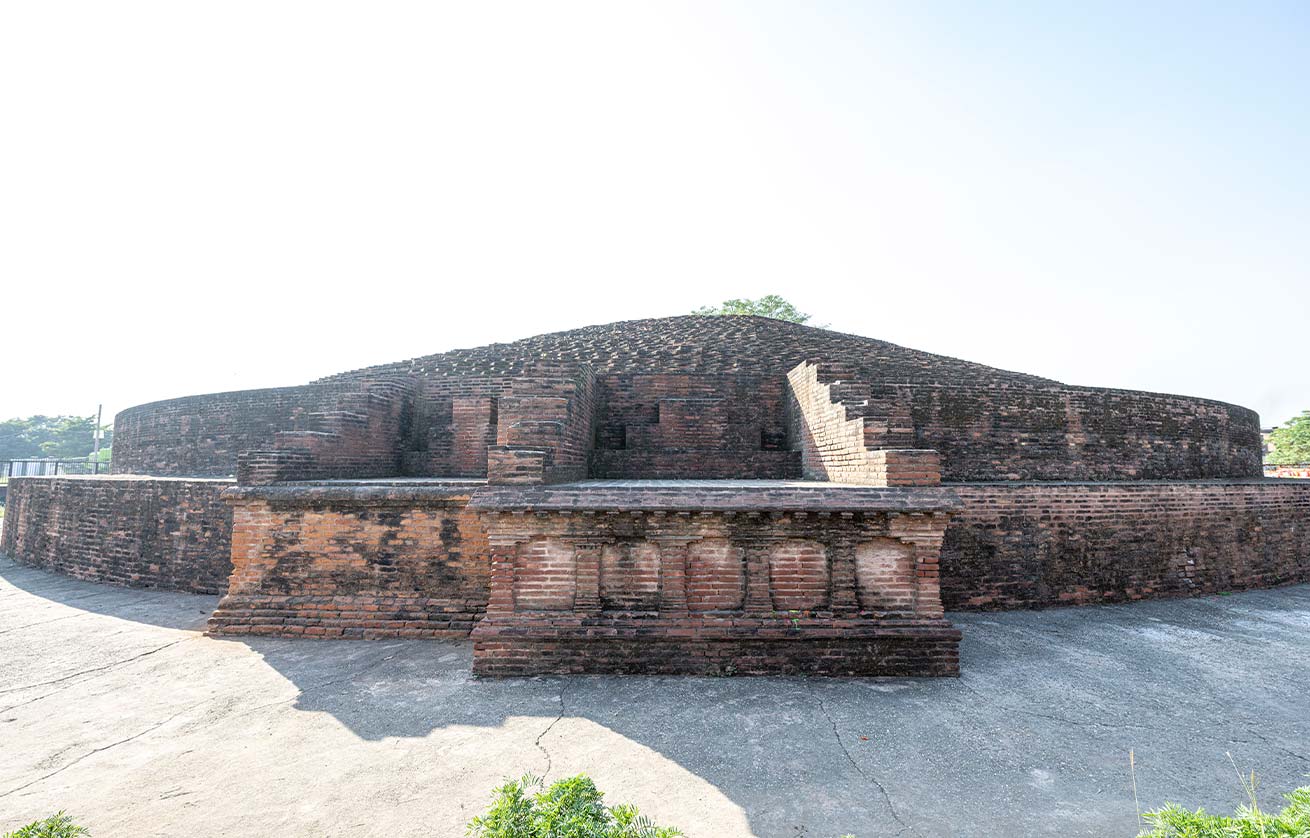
(213, 196)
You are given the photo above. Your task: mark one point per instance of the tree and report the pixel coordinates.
(770, 306)
(1291, 444)
(64, 437)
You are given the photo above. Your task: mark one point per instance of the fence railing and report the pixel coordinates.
(51, 467)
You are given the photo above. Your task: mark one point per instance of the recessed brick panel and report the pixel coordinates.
(885, 575)
(798, 575)
(630, 575)
(546, 571)
(757, 591)
(715, 581)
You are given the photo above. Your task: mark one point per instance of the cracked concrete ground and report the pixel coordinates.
(113, 706)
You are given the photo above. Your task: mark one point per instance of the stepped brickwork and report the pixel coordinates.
(685, 494)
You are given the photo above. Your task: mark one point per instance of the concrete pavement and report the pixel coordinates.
(114, 707)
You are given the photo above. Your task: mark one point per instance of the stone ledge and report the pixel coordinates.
(715, 495)
(124, 478)
(362, 492)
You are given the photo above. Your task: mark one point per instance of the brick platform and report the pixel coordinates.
(355, 559)
(726, 577)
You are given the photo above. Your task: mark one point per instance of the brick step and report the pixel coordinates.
(828, 371)
(303, 440)
(367, 401)
(336, 420)
(849, 392)
(702, 464)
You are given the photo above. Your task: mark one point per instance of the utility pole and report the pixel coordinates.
(95, 457)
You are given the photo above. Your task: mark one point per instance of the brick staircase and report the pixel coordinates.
(854, 432)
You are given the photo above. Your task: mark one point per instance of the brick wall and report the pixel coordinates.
(454, 425)
(714, 579)
(1036, 545)
(681, 385)
(988, 424)
(362, 435)
(681, 426)
(1075, 433)
(545, 425)
(170, 534)
(355, 562)
(201, 436)
(701, 345)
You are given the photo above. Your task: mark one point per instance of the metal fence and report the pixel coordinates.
(51, 467)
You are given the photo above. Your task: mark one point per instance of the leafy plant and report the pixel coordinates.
(1174, 821)
(1291, 444)
(768, 306)
(569, 808)
(59, 825)
(65, 437)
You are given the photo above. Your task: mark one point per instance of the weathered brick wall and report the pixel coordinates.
(355, 562)
(1035, 545)
(988, 424)
(455, 419)
(167, 533)
(714, 579)
(544, 427)
(701, 345)
(1075, 433)
(363, 435)
(1017, 433)
(680, 426)
(201, 436)
(680, 386)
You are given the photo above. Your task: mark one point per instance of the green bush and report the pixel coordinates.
(571, 808)
(55, 826)
(1173, 821)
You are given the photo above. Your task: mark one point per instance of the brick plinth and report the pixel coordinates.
(714, 577)
(360, 560)
(651, 648)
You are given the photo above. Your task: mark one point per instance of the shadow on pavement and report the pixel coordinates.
(1042, 720)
